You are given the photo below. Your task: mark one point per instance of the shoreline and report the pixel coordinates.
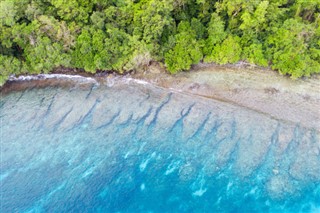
(259, 89)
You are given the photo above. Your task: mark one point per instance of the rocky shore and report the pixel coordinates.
(262, 90)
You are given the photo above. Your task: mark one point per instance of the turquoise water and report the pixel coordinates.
(136, 148)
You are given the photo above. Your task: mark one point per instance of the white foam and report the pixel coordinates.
(141, 82)
(78, 78)
(138, 81)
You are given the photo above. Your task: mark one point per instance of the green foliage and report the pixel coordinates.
(73, 10)
(120, 15)
(44, 55)
(8, 65)
(98, 19)
(216, 33)
(99, 50)
(198, 27)
(7, 12)
(38, 35)
(290, 51)
(186, 50)
(254, 54)
(306, 9)
(227, 52)
(150, 18)
(254, 20)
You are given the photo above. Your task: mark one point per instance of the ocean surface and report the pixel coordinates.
(133, 147)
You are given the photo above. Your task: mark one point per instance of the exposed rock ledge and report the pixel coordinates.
(265, 91)
(259, 89)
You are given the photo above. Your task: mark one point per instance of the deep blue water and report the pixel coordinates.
(135, 148)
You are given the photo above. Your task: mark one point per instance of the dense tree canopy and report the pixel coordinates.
(122, 35)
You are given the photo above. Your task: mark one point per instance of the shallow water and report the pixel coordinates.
(136, 148)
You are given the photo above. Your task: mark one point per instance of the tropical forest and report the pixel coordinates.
(37, 36)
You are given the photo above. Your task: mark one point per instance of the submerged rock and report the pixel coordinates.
(135, 146)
